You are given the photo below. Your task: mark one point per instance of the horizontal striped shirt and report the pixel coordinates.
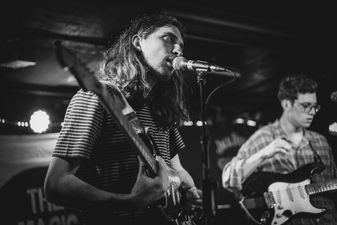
(111, 164)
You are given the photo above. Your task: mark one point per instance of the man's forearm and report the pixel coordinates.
(251, 164)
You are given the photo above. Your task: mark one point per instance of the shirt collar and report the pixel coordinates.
(305, 140)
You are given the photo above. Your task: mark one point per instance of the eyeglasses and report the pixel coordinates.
(307, 107)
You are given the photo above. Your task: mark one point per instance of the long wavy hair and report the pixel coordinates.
(126, 68)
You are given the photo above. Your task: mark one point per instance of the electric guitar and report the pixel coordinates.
(172, 205)
(272, 198)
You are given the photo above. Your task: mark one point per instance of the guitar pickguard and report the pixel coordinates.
(291, 199)
(273, 198)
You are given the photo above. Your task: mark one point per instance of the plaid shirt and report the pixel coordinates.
(311, 143)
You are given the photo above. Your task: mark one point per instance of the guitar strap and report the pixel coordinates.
(317, 159)
(127, 110)
(131, 115)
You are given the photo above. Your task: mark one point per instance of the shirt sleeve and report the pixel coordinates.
(232, 173)
(176, 142)
(82, 123)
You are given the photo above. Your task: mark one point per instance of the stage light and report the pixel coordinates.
(251, 123)
(18, 64)
(239, 121)
(199, 123)
(188, 123)
(39, 121)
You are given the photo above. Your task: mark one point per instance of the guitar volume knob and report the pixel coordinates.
(278, 215)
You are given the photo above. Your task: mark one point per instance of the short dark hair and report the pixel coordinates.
(295, 84)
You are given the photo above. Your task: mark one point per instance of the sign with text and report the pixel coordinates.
(24, 163)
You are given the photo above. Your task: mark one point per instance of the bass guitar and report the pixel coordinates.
(272, 198)
(172, 205)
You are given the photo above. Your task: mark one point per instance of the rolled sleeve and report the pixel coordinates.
(232, 174)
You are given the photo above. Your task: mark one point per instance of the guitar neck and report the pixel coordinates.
(321, 187)
(114, 105)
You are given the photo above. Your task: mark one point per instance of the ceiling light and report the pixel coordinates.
(16, 64)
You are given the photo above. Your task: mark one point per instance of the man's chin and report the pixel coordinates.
(307, 125)
(165, 76)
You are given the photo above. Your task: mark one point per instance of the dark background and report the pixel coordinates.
(259, 41)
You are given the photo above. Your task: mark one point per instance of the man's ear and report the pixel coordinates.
(286, 104)
(136, 42)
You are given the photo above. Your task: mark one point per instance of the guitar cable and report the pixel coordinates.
(247, 211)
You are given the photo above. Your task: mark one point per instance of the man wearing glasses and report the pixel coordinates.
(286, 145)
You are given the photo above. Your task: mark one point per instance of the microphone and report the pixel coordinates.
(333, 126)
(333, 129)
(333, 96)
(180, 63)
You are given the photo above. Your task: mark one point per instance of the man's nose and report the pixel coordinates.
(177, 50)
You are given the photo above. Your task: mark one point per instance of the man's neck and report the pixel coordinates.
(288, 127)
(292, 132)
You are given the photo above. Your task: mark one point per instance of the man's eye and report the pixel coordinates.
(168, 38)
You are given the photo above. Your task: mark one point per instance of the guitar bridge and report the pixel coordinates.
(269, 199)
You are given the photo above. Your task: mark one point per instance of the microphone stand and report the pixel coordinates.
(209, 185)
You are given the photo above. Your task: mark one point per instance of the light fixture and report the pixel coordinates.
(251, 123)
(188, 123)
(17, 64)
(39, 121)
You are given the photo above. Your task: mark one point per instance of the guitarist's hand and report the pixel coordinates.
(194, 195)
(279, 145)
(147, 190)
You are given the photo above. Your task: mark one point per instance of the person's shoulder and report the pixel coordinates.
(85, 96)
(315, 135)
(268, 128)
(83, 93)
(262, 133)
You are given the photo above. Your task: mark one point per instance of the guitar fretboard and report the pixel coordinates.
(321, 187)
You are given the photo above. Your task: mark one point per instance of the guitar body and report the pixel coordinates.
(291, 202)
(273, 198)
(172, 205)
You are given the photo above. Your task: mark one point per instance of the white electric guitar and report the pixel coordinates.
(275, 198)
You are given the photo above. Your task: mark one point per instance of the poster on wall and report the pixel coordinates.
(224, 144)
(24, 161)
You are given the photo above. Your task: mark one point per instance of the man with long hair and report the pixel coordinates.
(94, 168)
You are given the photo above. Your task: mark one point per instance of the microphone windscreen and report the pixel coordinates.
(177, 63)
(333, 96)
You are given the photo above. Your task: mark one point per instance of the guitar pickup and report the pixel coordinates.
(269, 199)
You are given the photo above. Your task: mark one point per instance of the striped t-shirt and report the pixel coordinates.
(90, 132)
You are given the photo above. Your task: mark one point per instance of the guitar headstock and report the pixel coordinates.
(66, 58)
(71, 62)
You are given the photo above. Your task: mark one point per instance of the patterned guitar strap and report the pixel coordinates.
(317, 159)
(131, 116)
